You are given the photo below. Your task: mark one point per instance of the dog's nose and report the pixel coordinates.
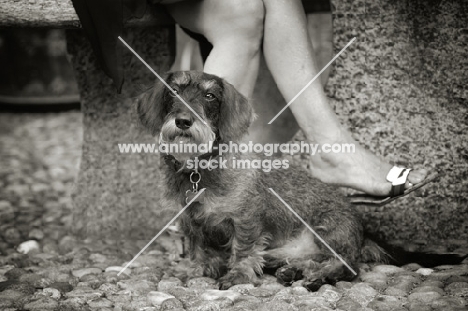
(183, 123)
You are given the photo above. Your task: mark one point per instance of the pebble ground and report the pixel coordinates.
(43, 267)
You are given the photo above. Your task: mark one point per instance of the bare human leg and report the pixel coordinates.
(291, 60)
(235, 28)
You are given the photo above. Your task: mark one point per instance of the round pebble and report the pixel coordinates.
(416, 306)
(137, 286)
(460, 292)
(156, 298)
(42, 304)
(187, 296)
(444, 274)
(167, 284)
(386, 303)
(387, 269)
(273, 287)
(113, 277)
(395, 291)
(377, 280)
(118, 269)
(14, 273)
(312, 302)
(28, 247)
(7, 212)
(347, 303)
(52, 292)
(13, 294)
(100, 303)
(362, 293)
(261, 292)
(433, 283)
(202, 283)
(424, 297)
(97, 258)
(274, 306)
(456, 285)
(445, 303)
(425, 289)
(285, 294)
(66, 244)
(424, 271)
(172, 304)
(15, 285)
(242, 288)
(343, 285)
(299, 291)
(214, 294)
(62, 287)
(86, 293)
(36, 234)
(85, 271)
(330, 293)
(35, 280)
(404, 285)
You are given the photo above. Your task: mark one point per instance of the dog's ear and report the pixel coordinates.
(236, 114)
(151, 106)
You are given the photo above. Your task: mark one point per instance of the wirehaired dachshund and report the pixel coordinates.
(237, 227)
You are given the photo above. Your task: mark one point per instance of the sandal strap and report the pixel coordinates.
(365, 199)
(398, 177)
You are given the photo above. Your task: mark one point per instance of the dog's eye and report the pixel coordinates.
(210, 96)
(173, 94)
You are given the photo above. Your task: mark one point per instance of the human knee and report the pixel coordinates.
(246, 17)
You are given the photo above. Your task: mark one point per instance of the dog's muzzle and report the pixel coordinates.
(182, 128)
(183, 123)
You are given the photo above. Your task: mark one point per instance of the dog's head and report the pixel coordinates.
(227, 113)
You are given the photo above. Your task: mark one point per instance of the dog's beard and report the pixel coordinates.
(197, 134)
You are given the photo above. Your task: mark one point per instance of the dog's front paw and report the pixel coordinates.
(214, 272)
(232, 279)
(286, 275)
(313, 285)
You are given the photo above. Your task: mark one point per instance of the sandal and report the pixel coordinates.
(398, 177)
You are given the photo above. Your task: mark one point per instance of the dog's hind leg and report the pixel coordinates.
(307, 258)
(315, 272)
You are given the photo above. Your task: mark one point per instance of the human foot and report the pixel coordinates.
(360, 170)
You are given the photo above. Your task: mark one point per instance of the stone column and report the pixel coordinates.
(116, 195)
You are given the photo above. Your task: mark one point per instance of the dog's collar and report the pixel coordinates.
(172, 162)
(195, 177)
(176, 165)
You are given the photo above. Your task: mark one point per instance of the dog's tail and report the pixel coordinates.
(385, 253)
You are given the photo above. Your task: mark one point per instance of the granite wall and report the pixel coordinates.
(401, 88)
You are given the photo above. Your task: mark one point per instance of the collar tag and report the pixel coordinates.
(189, 195)
(195, 178)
